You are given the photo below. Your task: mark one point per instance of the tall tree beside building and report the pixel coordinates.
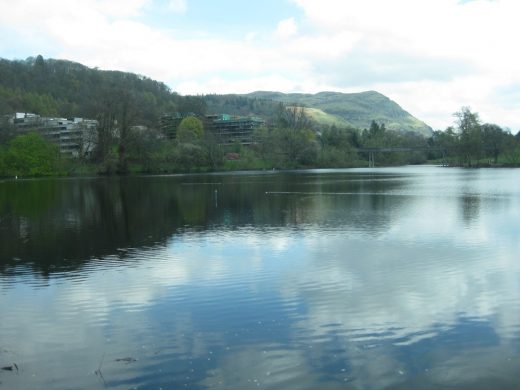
(291, 143)
(105, 132)
(126, 117)
(190, 152)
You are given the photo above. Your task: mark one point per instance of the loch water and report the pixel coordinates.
(322, 279)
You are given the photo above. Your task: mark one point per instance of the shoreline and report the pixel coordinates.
(246, 170)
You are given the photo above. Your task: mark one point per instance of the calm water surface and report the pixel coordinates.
(362, 279)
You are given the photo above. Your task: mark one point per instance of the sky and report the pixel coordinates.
(430, 56)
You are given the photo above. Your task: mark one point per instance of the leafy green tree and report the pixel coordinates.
(264, 144)
(470, 135)
(512, 150)
(31, 155)
(146, 148)
(190, 130)
(444, 145)
(7, 131)
(291, 143)
(214, 153)
(375, 130)
(494, 140)
(3, 170)
(192, 104)
(189, 156)
(106, 117)
(292, 147)
(293, 117)
(337, 147)
(126, 118)
(375, 136)
(336, 137)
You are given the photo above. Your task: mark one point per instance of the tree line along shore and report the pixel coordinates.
(129, 138)
(292, 142)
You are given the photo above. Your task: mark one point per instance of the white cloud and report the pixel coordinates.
(272, 82)
(178, 6)
(286, 28)
(27, 12)
(431, 57)
(251, 36)
(335, 288)
(479, 34)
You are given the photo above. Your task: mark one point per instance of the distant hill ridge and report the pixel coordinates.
(351, 109)
(63, 88)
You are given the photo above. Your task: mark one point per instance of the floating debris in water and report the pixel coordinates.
(126, 360)
(12, 367)
(98, 372)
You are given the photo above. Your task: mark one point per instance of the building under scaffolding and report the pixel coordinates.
(169, 123)
(227, 129)
(233, 129)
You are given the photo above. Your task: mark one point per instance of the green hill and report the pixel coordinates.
(63, 88)
(355, 109)
(68, 89)
(323, 118)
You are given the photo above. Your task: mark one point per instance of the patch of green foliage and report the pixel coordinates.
(322, 118)
(30, 155)
(190, 129)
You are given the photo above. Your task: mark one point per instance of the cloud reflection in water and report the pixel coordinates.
(428, 297)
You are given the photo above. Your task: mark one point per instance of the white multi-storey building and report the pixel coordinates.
(76, 137)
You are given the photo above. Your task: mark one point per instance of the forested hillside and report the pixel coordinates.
(242, 105)
(50, 87)
(68, 89)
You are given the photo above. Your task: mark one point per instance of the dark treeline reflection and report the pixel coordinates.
(58, 225)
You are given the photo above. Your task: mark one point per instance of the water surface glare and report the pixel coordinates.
(331, 279)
